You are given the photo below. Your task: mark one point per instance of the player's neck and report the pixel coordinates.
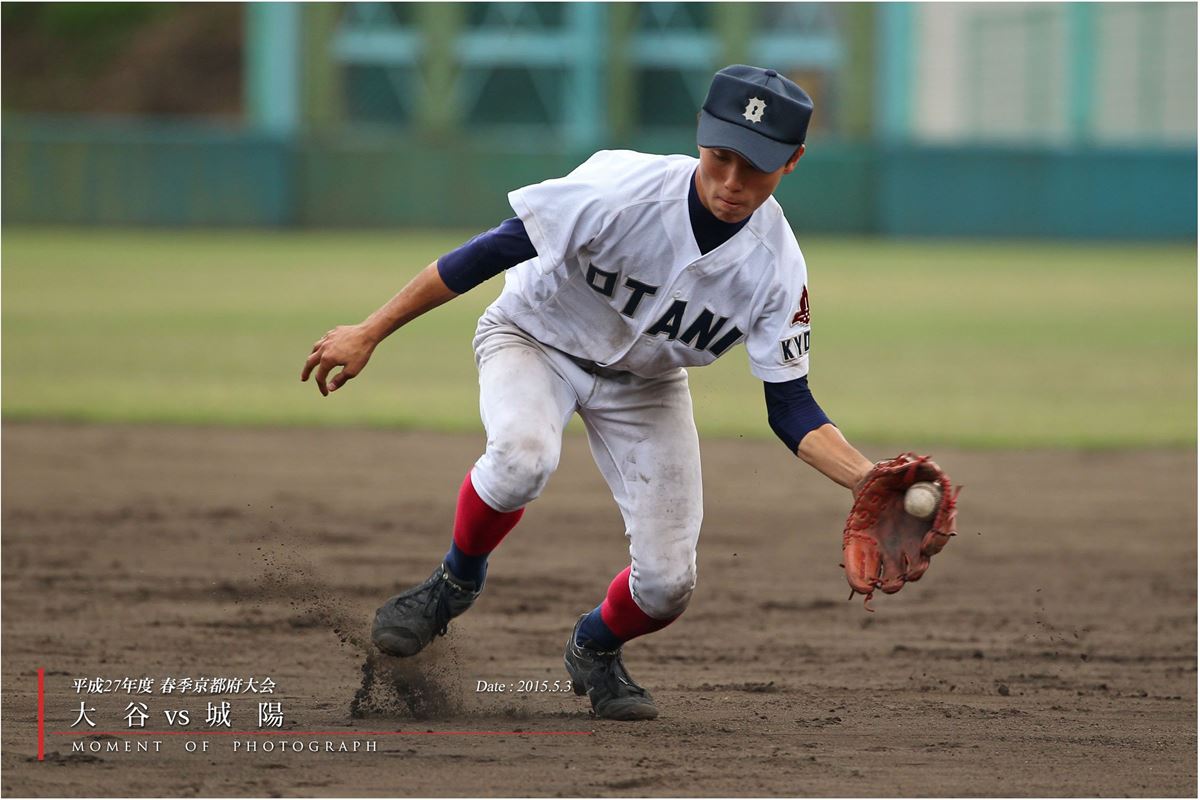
(708, 231)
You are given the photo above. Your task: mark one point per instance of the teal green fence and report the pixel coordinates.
(89, 172)
(73, 171)
(1094, 192)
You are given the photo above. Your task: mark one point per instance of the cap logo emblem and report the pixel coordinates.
(754, 109)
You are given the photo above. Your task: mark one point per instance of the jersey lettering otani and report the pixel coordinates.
(619, 279)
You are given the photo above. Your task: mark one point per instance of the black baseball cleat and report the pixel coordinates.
(406, 623)
(602, 677)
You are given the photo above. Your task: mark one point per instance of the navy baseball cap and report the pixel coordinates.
(757, 113)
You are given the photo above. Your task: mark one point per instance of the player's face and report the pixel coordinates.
(731, 188)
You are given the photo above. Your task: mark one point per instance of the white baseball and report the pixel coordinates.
(922, 499)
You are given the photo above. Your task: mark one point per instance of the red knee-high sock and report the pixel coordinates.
(479, 528)
(622, 615)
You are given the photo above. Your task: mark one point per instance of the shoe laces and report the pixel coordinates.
(436, 603)
(437, 607)
(612, 672)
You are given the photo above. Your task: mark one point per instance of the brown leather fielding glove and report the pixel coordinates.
(883, 546)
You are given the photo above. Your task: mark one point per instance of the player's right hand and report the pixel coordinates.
(346, 346)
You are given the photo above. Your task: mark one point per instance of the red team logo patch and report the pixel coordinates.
(801, 317)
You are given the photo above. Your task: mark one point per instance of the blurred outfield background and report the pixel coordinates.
(998, 205)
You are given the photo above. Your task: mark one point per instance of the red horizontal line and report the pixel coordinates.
(320, 733)
(41, 673)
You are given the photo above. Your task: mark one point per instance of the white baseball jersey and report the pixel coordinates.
(619, 278)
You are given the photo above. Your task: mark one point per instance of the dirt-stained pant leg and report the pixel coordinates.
(642, 436)
(644, 440)
(525, 403)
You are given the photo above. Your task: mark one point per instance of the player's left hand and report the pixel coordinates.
(884, 546)
(346, 346)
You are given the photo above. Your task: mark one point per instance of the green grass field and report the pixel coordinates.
(914, 343)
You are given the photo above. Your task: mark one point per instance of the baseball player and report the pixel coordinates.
(619, 276)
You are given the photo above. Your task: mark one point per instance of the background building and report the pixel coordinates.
(1043, 119)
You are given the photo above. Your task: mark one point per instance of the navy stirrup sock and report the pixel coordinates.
(595, 634)
(466, 568)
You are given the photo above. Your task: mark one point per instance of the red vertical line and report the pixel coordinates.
(41, 714)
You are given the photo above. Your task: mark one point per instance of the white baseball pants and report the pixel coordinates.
(642, 437)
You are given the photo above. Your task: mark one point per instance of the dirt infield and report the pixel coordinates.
(1051, 649)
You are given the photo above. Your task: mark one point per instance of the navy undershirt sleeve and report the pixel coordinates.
(488, 254)
(792, 411)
